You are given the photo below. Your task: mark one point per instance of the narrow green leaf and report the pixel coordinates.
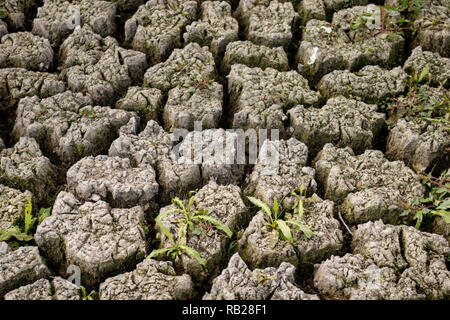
(217, 223)
(444, 214)
(424, 73)
(157, 252)
(165, 230)
(193, 253)
(307, 232)
(260, 204)
(285, 230)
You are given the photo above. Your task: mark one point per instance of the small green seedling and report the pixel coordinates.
(191, 217)
(16, 232)
(276, 221)
(93, 295)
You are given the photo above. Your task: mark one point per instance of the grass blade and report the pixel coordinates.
(218, 224)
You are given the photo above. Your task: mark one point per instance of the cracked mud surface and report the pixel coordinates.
(94, 95)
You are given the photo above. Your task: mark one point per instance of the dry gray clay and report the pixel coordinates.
(238, 282)
(192, 65)
(326, 47)
(268, 23)
(254, 55)
(185, 105)
(343, 122)
(215, 29)
(321, 9)
(25, 50)
(433, 21)
(261, 247)
(98, 66)
(16, 83)
(57, 19)
(259, 98)
(388, 263)
(151, 280)
(157, 26)
(68, 126)
(370, 186)
(223, 203)
(215, 151)
(3, 28)
(146, 102)
(90, 235)
(438, 67)
(419, 143)
(12, 206)
(20, 267)
(24, 167)
(153, 148)
(112, 179)
(371, 84)
(42, 289)
(279, 169)
(15, 10)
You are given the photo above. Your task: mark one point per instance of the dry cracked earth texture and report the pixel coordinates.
(94, 203)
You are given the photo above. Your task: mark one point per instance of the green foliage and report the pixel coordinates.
(276, 215)
(44, 213)
(16, 232)
(93, 295)
(417, 104)
(436, 201)
(197, 83)
(191, 218)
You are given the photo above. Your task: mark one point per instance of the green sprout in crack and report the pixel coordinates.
(436, 201)
(276, 214)
(191, 218)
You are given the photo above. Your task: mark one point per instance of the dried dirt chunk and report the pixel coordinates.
(12, 206)
(372, 84)
(216, 151)
(326, 47)
(99, 240)
(156, 27)
(153, 147)
(112, 179)
(185, 105)
(268, 23)
(98, 66)
(238, 282)
(261, 247)
(419, 143)
(151, 280)
(215, 29)
(388, 263)
(57, 19)
(184, 67)
(58, 289)
(68, 126)
(343, 122)
(253, 55)
(371, 186)
(146, 102)
(17, 83)
(223, 203)
(438, 67)
(259, 98)
(279, 169)
(25, 168)
(21, 267)
(15, 10)
(25, 50)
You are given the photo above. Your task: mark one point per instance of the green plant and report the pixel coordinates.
(417, 104)
(93, 295)
(44, 213)
(22, 235)
(276, 215)
(198, 84)
(191, 217)
(436, 201)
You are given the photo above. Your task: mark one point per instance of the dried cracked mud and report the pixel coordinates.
(100, 103)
